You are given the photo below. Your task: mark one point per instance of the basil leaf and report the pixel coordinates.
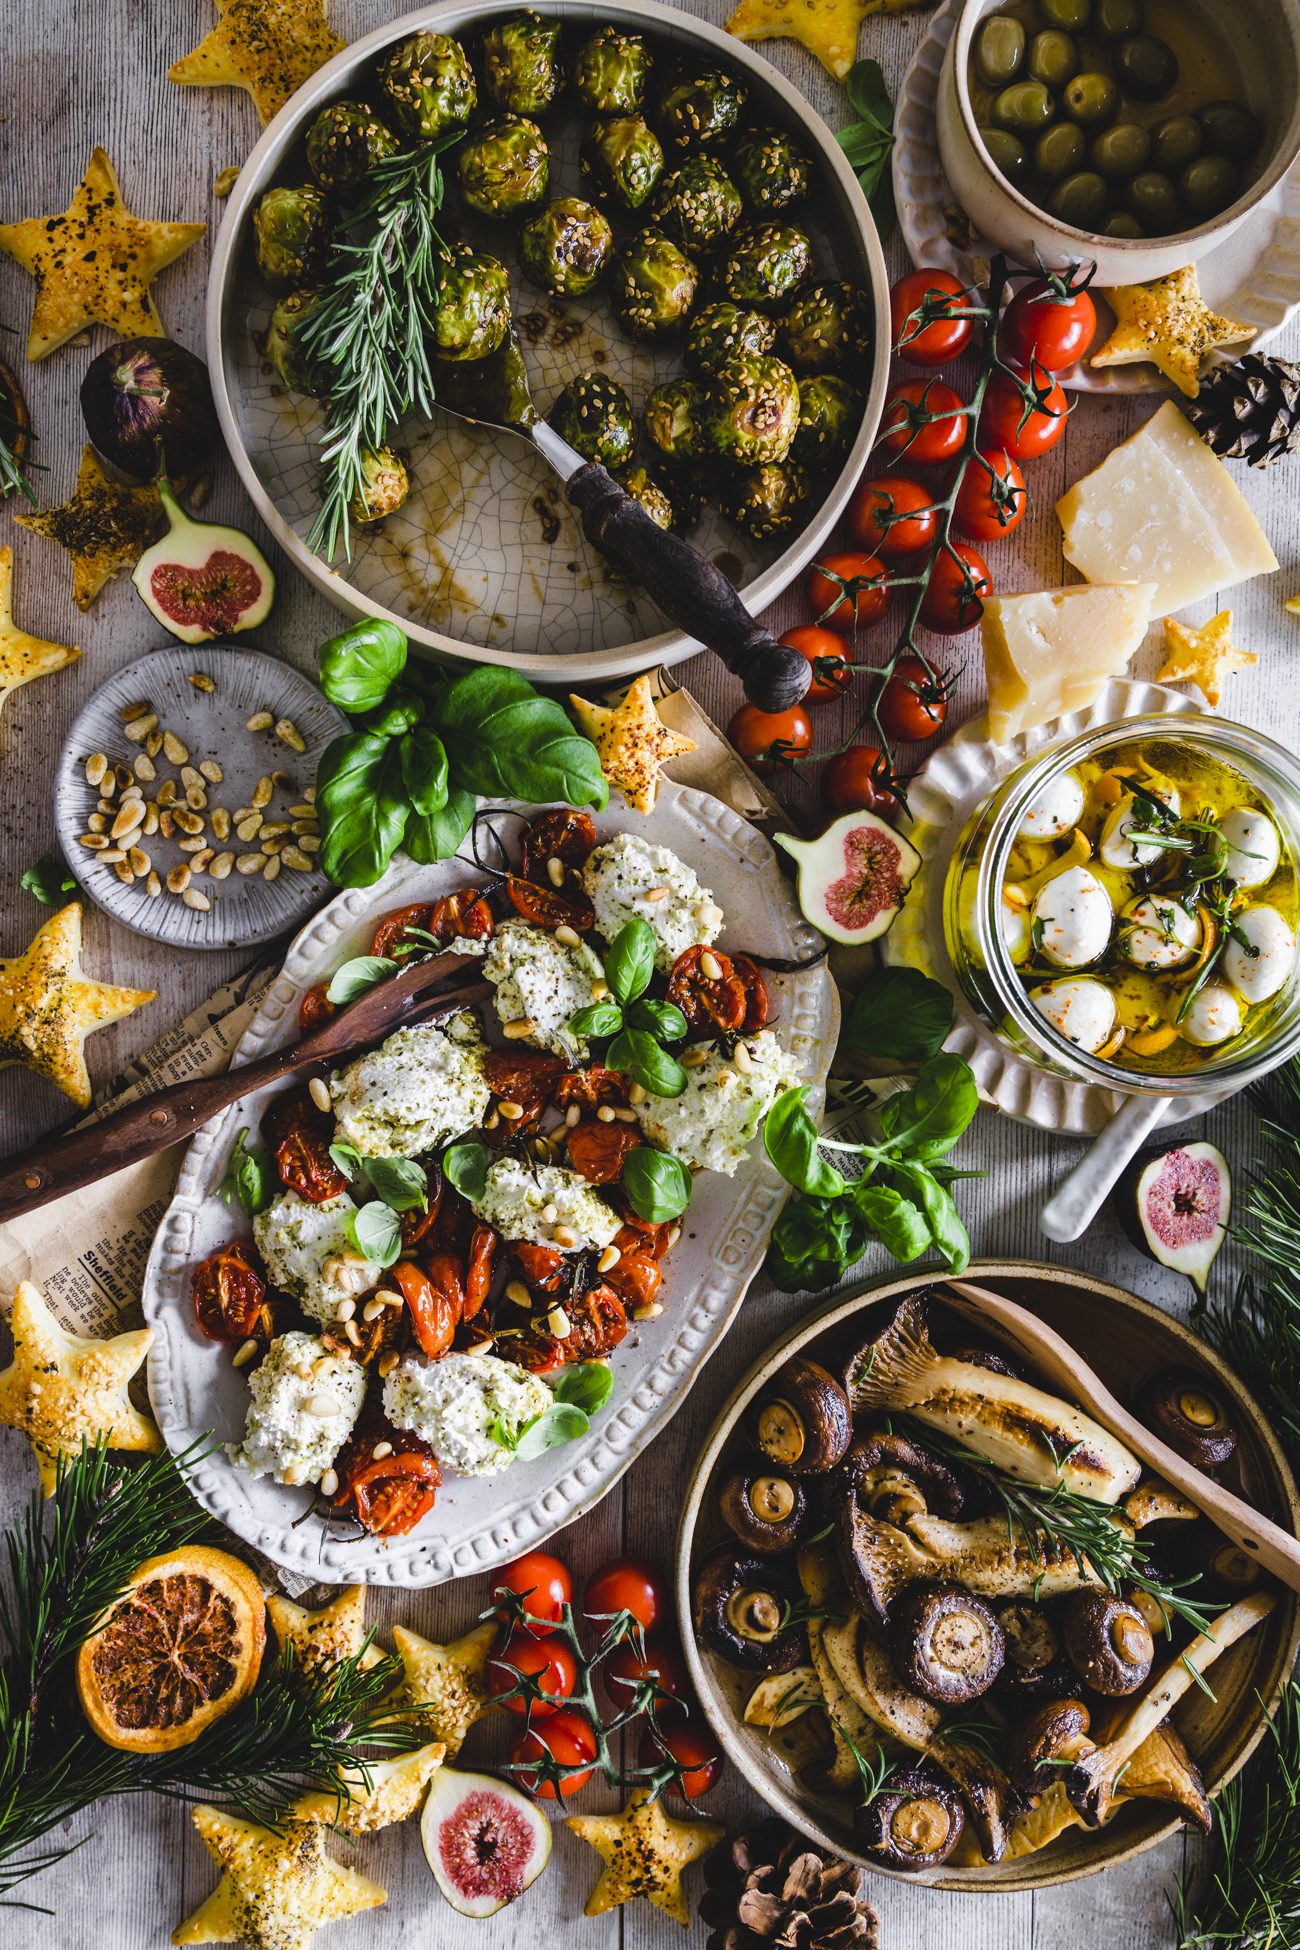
(249, 1177)
(465, 1166)
(814, 1242)
(509, 742)
(868, 93)
(597, 1019)
(926, 1121)
(630, 962)
(356, 976)
(362, 807)
(949, 1235)
(400, 1182)
(658, 1185)
(346, 1157)
(374, 1231)
(424, 771)
(556, 1425)
(900, 1014)
(392, 720)
(662, 1019)
(790, 1140)
(49, 880)
(641, 1058)
(587, 1386)
(868, 142)
(901, 1226)
(504, 1434)
(438, 835)
(358, 668)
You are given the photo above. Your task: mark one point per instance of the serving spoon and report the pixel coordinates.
(690, 590)
(61, 1164)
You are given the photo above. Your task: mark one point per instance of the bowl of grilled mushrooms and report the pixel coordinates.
(947, 1623)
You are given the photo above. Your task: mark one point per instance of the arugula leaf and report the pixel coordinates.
(401, 1183)
(630, 962)
(901, 1015)
(423, 759)
(587, 1386)
(374, 1231)
(868, 142)
(658, 1185)
(49, 880)
(354, 977)
(639, 1056)
(790, 1140)
(510, 742)
(359, 667)
(438, 835)
(249, 1177)
(465, 1166)
(362, 807)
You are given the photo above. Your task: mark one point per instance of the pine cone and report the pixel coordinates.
(1250, 410)
(775, 1891)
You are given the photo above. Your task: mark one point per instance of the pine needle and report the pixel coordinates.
(1250, 1898)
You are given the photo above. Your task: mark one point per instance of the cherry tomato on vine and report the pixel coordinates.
(547, 1660)
(924, 423)
(819, 645)
(914, 702)
(1054, 330)
(690, 1744)
(567, 1738)
(992, 498)
(628, 1584)
(626, 1668)
(766, 739)
(1024, 428)
(848, 591)
(892, 516)
(929, 317)
(544, 1585)
(856, 781)
(954, 600)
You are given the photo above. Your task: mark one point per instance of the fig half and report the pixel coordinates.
(1175, 1207)
(203, 580)
(854, 878)
(484, 1841)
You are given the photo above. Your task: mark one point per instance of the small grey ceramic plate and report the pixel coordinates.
(213, 728)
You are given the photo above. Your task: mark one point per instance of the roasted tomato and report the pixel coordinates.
(563, 834)
(315, 1008)
(388, 1333)
(546, 907)
(465, 914)
(636, 1278)
(639, 1235)
(757, 1000)
(301, 1136)
(541, 1268)
(388, 1494)
(528, 1078)
(415, 1226)
(709, 1000)
(228, 1292)
(599, 1151)
(435, 1297)
(478, 1274)
(597, 1323)
(595, 1085)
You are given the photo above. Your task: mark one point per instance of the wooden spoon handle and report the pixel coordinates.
(690, 590)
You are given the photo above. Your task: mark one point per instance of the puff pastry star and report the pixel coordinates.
(632, 741)
(395, 1790)
(1203, 654)
(23, 657)
(1168, 324)
(104, 527)
(94, 264)
(319, 1639)
(645, 1853)
(827, 28)
(275, 1891)
(63, 1389)
(266, 47)
(48, 1007)
(448, 1683)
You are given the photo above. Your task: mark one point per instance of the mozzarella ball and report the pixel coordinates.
(1116, 848)
(1158, 933)
(1072, 917)
(1213, 1016)
(1253, 846)
(1082, 1010)
(1057, 808)
(1259, 974)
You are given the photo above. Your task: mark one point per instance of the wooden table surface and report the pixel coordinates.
(76, 76)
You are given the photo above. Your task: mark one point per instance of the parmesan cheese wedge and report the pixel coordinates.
(1050, 651)
(1163, 509)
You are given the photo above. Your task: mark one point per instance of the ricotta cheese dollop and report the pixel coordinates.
(535, 1202)
(422, 1087)
(302, 1404)
(309, 1254)
(453, 1404)
(717, 1117)
(537, 977)
(629, 879)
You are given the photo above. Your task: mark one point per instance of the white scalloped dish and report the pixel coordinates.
(482, 1521)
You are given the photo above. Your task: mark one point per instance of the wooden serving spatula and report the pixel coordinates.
(62, 1164)
(1062, 1365)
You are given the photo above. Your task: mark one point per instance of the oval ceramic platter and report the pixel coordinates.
(483, 1521)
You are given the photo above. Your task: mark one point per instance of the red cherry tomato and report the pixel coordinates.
(228, 1293)
(564, 1737)
(914, 702)
(924, 422)
(1055, 331)
(690, 1744)
(545, 1586)
(892, 516)
(435, 1300)
(766, 739)
(954, 600)
(992, 498)
(856, 781)
(626, 1668)
(1024, 427)
(847, 591)
(546, 1660)
(627, 1584)
(929, 317)
(828, 654)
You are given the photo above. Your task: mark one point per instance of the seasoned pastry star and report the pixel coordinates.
(23, 657)
(1168, 324)
(449, 1683)
(266, 47)
(319, 1639)
(827, 28)
(395, 1791)
(275, 1891)
(64, 1389)
(1202, 654)
(48, 1007)
(632, 742)
(645, 1853)
(104, 527)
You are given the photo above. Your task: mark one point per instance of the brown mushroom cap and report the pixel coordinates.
(946, 1643)
(893, 1478)
(915, 1822)
(765, 1509)
(1052, 1733)
(740, 1603)
(801, 1419)
(1035, 1664)
(1108, 1641)
(1185, 1410)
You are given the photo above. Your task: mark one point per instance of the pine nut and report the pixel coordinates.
(178, 879)
(345, 1310)
(293, 1476)
(188, 822)
(623, 1115)
(193, 898)
(510, 1110)
(309, 794)
(131, 816)
(196, 798)
(293, 856)
(564, 1235)
(694, 1058)
(192, 843)
(220, 823)
(199, 855)
(248, 829)
(250, 863)
(303, 811)
(175, 748)
(372, 1310)
(111, 855)
(648, 1310)
(491, 1120)
(555, 871)
(329, 1482)
(201, 681)
(605, 1112)
(387, 1298)
(97, 840)
(274, 829)
(166, 793)
(190, 776)
(153, 886)
(130, 711)
(600, 991)
(243, 1354)
(150, 826)
(568, 937)
(138, 860)
(519, 1294)
(323, 1403)
(673, 1236)
(96, 766)
(220, 866)
(211, 771)
(153, 744)
(710, 966)
(712, 917)
(550, 1213)
(167, 825)
(261, 721)
(271, 870)
(656, 893)
(145, 768)
(380, 1450)
(288, 734)
(387, 1362)
(559, 1323)
(310, 842)
(353, 1332)
(319, 1092)
(637, 1093)
(573, 1115)
(743, 1059)
(262, 792)
(139, 728)
(124, 873)
(521, 1026)
(480, 1347)
(609, 1258)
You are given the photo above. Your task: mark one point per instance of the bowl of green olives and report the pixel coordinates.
(1137, 134)
(674, 240)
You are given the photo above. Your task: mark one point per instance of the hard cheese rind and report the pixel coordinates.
(1163, 509)
(1050, 651)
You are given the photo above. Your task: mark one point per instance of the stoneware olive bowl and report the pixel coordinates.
(1265, 41)
(1124, 1340)
(486, 562)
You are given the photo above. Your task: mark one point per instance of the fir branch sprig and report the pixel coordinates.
(15, 437)
(1250, 1899)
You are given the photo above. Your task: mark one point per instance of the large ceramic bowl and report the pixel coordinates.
(1123, 1339)
(487, 562)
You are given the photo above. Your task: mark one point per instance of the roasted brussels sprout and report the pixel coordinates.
(284, 347)
(504, 167)
(473, 314)
(344, 142)
(621, 157)
(827, 328)
(761, 501)
(771, 171)
(945, 1643)
(430, 84)
(385, 485)
(671, 418)
(594, 415)
(656, 500)
(293, 234)
(520, 70)
(610, 72)
(700, 111)
(654, 285)
(566, 247)
(741, 1602)
(763, 1509)
(698, 205)
(495, 388)
(721, 330)
(766, 264)
(830, 412)
(915, 1822)
(751, 415)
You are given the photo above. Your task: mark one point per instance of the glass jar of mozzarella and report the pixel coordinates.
(1123, 908)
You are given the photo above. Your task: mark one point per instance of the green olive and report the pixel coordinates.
(999, 49)
(1230, 129)
(1145, 67)
(1091, 100)
(1059, 151)
(1080, 199)
(1122, 223)
(1072, 15)
(1025, 107)
(1154, 202)
(1053, 58)
(1176, 142)
(1115, 20)
(1121, 150)
(1208, 185)
(1006, 153)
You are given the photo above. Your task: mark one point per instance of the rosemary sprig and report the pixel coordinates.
(1250, 1899)
(13, 467)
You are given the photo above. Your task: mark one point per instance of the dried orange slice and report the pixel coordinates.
(180, 1647)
